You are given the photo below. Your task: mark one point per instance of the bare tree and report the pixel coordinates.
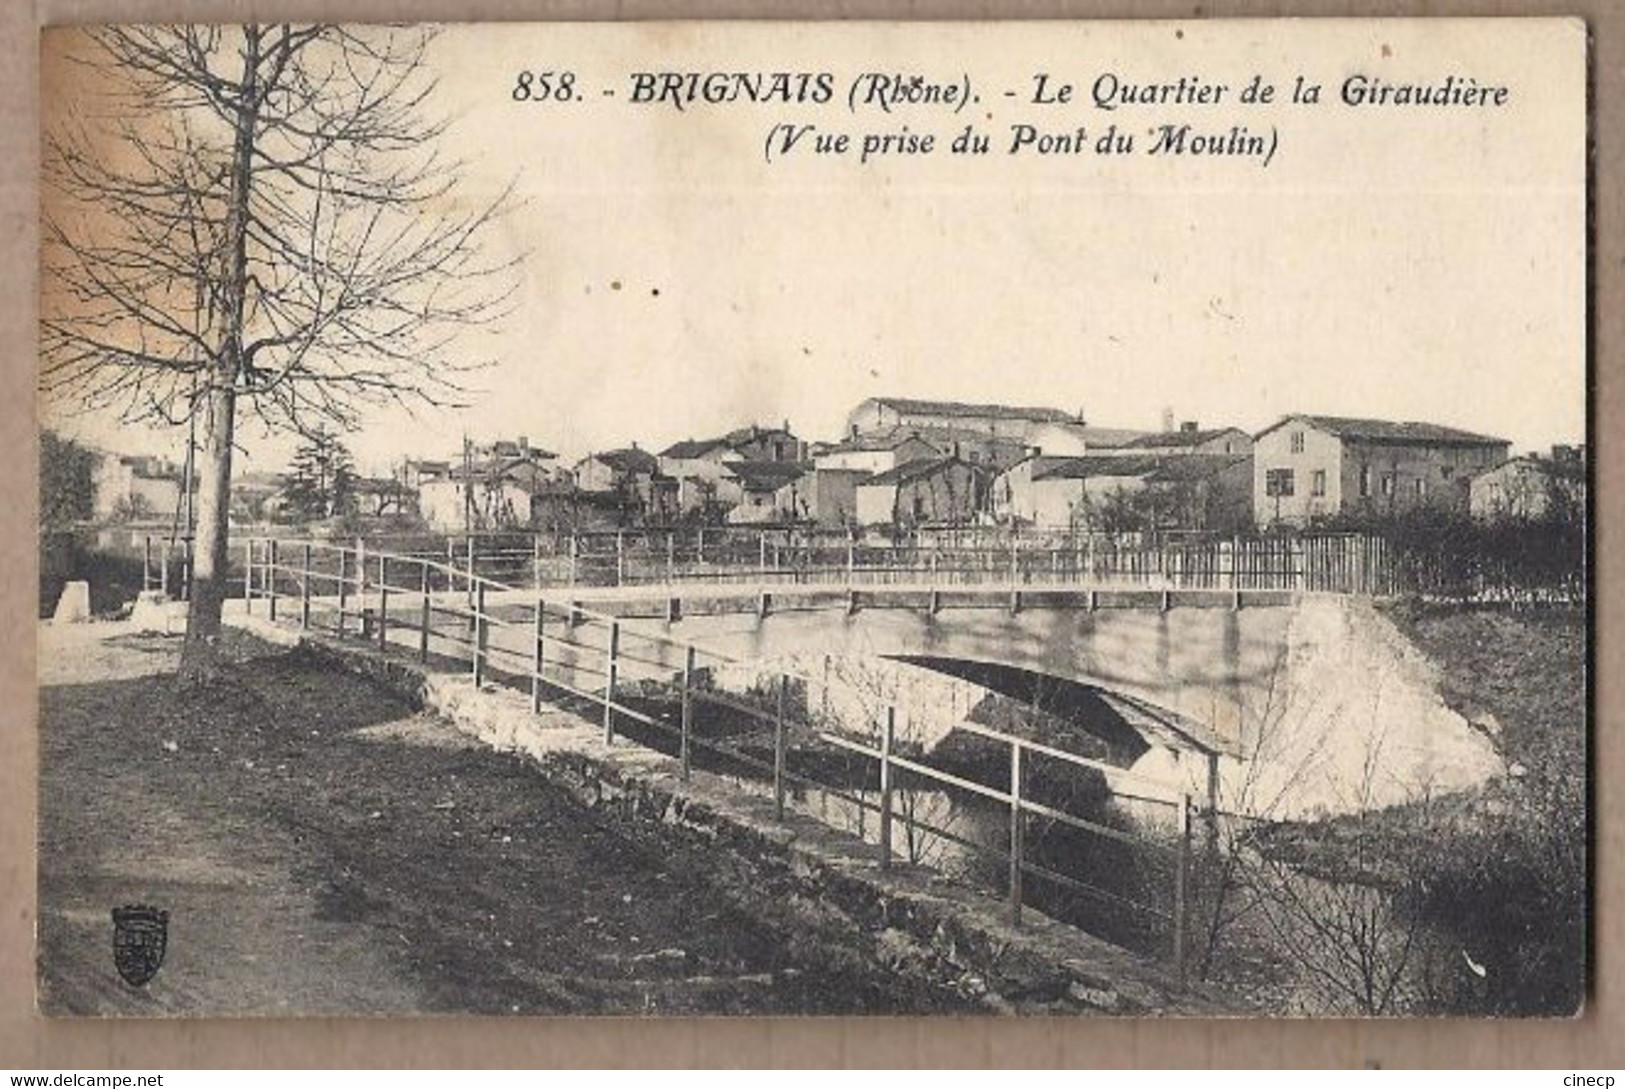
(259, 220)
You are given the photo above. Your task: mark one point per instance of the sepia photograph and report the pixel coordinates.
(1083, 519)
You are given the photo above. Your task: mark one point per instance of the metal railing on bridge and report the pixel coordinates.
(834, 749)
(1336, 563)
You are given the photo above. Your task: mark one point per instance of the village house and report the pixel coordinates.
(991, 436)
(631, 475)
(1211, 492)
(1307, 468)
(763, 491)
(1530, 487)
(828, 497)
(481, 500)
(699, 466)
(415, 472)
(1009, 422)
(930, 491)
(1061, 491)
(1073, 438)
(134, 486)
(488, 485)
(877, 451)
(1191, 439)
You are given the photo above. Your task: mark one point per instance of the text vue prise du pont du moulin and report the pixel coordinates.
(1108, 92)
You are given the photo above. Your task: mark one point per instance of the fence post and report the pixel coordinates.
(536, 559)
(1017, 833)
(344, 585)
(423, 612)
(778, 749)
(1182, 854)
(887, 734)
(481, 633)
(761, 553)
(687, 720)
(271, 581)
(537, 660)
(304, 590)
(620, 557)
(361, 582)
(468, 582)
(699, 545)
(248, 575)
(163, 567)
(612, 664)
(383, 600)
(575, 549)
(146, 562)
(851, 554)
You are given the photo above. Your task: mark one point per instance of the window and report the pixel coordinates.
(1297, 442)
(1317, 483)
(1278, 482)
(1388, 485)
(1421, 488)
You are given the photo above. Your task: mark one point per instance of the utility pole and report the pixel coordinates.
(468, 486)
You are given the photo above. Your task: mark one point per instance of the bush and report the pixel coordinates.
(1443, 554)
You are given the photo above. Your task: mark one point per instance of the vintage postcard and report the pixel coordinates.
(810, 518)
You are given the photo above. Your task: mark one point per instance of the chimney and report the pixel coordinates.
(524, 444)
(1082, 419)
(1189, 426)
(1167, 420)
(1564, 454)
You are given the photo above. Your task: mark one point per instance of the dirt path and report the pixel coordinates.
(322, 850)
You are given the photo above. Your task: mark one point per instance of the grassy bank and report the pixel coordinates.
(1472, 903)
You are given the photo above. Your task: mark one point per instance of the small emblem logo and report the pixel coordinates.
(140, 934)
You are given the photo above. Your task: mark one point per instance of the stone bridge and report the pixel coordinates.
(1274, 704)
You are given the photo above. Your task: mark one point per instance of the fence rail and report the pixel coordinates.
(777, 734)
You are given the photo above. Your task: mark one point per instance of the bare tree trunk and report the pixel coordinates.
(211, 549)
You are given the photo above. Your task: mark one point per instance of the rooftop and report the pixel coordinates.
(1077, 468)
(733, 440)
(629, 459)
(1169, 440)
(959, 408)
(1395, 431)
(1195, 467)
(917, 469)
(766, 475)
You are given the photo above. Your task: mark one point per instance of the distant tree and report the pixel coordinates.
(256, 218)
(132, 508)
(67, 482)
(320, 477)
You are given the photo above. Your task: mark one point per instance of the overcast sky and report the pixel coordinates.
(1407, 265)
